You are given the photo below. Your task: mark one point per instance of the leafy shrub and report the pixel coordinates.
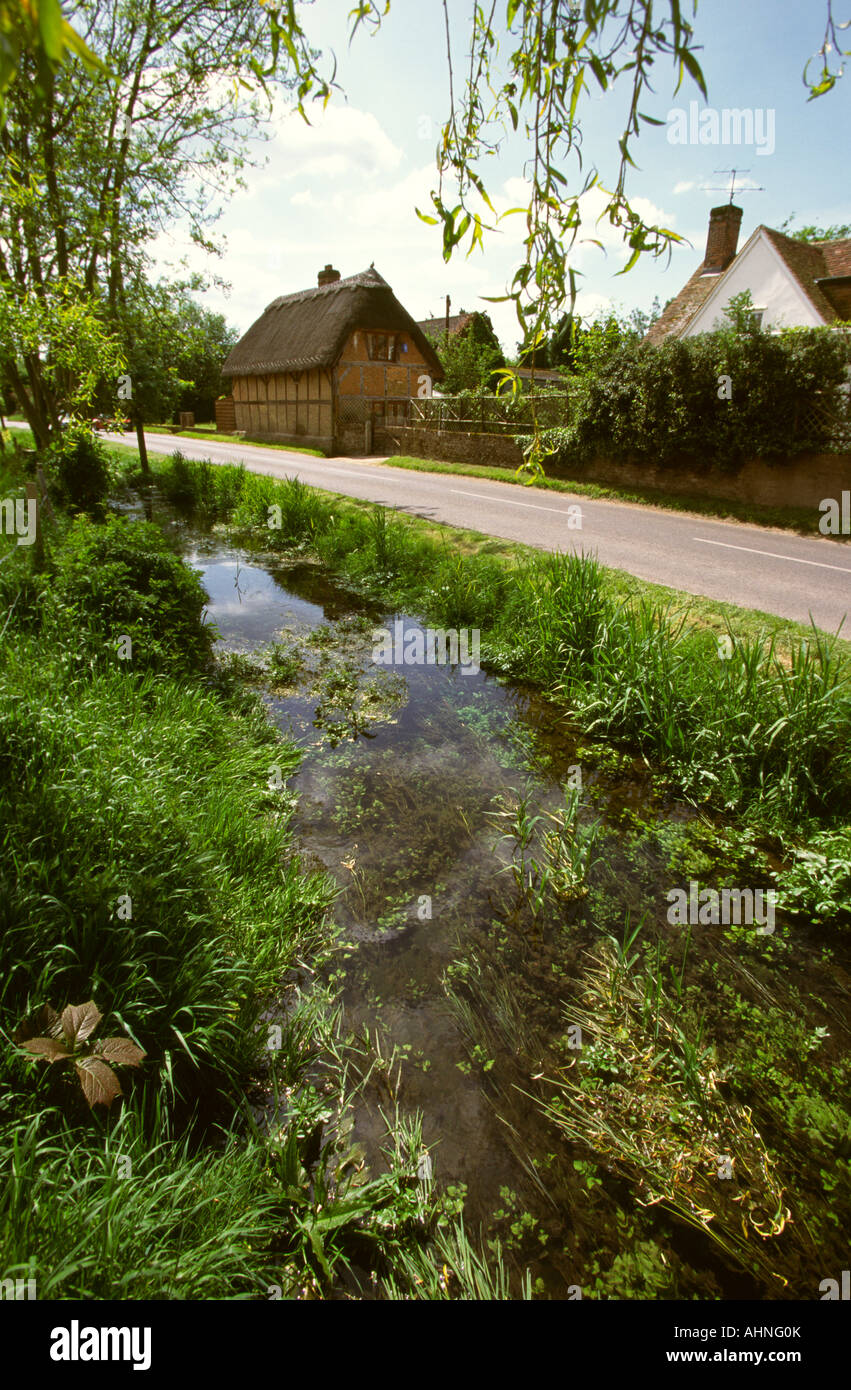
(658, 404)
(469, 364)
(818, 883)
(79, 465)
(121, 579)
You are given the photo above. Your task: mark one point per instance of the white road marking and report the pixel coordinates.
(843, 569)
(509, 501)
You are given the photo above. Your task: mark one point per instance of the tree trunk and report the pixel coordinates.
(29, 405)
(143, 448)
(146, 470)
(38, 549)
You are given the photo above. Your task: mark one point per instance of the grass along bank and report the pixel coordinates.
(150, 871)
(742, 711)
(712, 614)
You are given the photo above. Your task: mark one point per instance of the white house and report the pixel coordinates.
(792, 283)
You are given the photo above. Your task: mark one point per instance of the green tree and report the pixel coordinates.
(598, 340)
(553, 350)
(174, 349)
(97, 162)
(37, 28)
(838, 232)
(741, 316)
(54, 353)
(468, 364)
(205, 341)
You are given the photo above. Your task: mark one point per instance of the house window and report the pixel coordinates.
(381, 347)
(756, 316)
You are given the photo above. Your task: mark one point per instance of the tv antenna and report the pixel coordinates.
(732, 189)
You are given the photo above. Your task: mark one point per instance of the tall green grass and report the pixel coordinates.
(129, 1213)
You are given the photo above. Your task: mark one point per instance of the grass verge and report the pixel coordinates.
(803, 520)
(742, 711)
(210, 432)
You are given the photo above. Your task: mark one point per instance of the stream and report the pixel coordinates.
(410, 779)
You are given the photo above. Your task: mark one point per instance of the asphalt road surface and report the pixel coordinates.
(756, 567)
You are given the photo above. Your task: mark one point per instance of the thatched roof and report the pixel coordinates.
(309, 329)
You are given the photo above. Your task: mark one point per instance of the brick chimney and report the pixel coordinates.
(723, 237)
(330, 276)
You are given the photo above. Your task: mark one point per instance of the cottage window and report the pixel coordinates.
(381, 347)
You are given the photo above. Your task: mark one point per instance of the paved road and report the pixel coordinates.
(755, 567)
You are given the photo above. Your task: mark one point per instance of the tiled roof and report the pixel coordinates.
(683, 306)
(808, 262)
(436, 326)
(837, 256)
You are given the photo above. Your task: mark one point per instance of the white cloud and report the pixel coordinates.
(685, 187)
(341, 191)
(340, 142)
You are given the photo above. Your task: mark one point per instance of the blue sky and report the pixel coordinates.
(344, 190)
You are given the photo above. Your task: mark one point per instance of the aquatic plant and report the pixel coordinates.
(655, 1112)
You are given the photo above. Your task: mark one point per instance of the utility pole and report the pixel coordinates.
(446, 342)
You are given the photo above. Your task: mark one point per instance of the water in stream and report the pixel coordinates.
(405, 772)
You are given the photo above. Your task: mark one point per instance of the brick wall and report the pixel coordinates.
(497, 451)
(802, 481)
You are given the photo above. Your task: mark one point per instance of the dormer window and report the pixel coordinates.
(381, 347)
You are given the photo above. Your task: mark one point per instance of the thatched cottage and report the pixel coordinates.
(330, 366)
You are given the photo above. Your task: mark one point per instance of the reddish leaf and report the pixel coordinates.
(79, 1020)
(120, 1051)
(48, 1049)
(41, 1022)
(99, 1082)
(51, 1021)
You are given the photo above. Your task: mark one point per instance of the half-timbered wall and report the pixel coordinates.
(360, 372)
(374, 379)
(287, 406)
